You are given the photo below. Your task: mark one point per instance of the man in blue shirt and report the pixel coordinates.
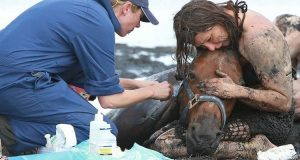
(59, 42)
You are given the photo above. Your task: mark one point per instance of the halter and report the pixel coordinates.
(194, 99)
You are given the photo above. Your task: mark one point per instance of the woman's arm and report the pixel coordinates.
(259, 98)
(268, 54)
(267, 51)
(134, 84)
(160, 91)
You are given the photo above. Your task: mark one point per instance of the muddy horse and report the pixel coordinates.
(203, 117)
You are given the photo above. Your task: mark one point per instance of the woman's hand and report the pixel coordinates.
(222, 87)
(162, 91)
(145, 83)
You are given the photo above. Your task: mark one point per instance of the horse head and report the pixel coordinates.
(205, 115)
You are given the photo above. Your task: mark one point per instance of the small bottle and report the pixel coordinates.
(101, 141)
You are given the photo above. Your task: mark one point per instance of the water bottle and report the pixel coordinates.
(101, 141)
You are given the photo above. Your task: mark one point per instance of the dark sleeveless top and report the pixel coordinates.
(275, 125)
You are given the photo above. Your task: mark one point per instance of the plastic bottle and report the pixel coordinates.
(101, 141)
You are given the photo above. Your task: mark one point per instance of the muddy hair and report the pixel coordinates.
(198, 16)
(287, 22)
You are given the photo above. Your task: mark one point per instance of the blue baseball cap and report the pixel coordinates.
(148, 16)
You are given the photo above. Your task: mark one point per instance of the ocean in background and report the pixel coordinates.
(150, 49)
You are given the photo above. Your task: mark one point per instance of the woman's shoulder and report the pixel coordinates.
(264, 42)
(267, 51)
(256, 24)
(259, 32)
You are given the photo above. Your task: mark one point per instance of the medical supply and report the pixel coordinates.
(101, 141)
(63, 140)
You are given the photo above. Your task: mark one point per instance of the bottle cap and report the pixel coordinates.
(99, 118)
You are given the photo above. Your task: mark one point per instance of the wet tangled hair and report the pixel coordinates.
(287, 23)
(198, 16)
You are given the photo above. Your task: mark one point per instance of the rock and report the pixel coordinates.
(137, 62)
(285, 152)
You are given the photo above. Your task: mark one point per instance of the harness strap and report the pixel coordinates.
(183, 114)
(195, 99)
(188, 88)
(218, 101)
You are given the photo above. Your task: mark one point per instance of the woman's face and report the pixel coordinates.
(212, 39)
(129, 20)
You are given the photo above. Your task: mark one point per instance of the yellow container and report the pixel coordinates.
(105, 151)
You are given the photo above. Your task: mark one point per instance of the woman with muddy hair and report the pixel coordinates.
(266, 98)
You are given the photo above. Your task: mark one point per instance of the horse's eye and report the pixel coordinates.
(192, 75)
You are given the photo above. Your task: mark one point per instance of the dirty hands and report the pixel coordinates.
(222, 87)
(161, 91)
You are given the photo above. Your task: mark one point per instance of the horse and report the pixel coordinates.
(137, 123)
(204, 115)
